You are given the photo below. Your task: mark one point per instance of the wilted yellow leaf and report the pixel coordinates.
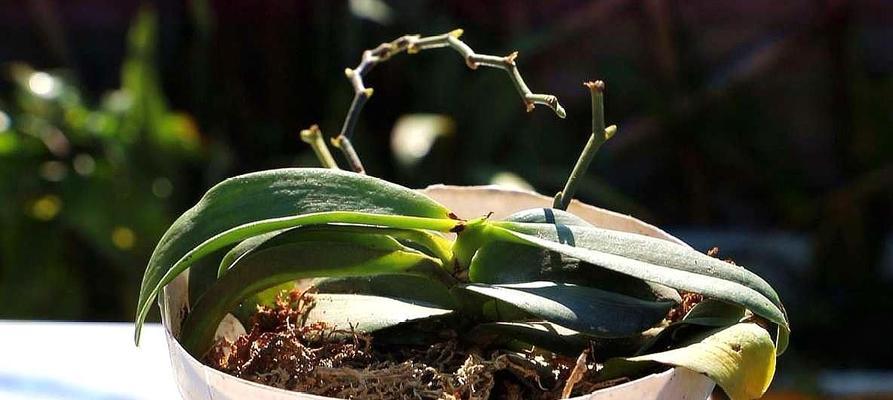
(740, 359)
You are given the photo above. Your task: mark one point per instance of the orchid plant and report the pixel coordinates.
(540, 277)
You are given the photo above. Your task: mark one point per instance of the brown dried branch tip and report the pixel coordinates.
(595, 86)
(413, 44)
(282, 350)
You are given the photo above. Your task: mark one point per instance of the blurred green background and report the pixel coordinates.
(761, 127)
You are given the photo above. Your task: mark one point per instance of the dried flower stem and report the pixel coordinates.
(313, 137)
(599, 136)
(576, 375)
(413, 44)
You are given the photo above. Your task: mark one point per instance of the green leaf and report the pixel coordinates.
(240, 249)
(547, 216)
(646, 249)
(587, 310)
(504, 262)
(739, 358)
(431, 243)
(415, 289)
(409, 288)
(338, 255)
(653, 260)
(368, 313)
(266, 201)
(264, 226)
(203, 273)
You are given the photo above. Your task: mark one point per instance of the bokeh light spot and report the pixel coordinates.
(123, 237)
(53, 171)
(162, 187)
(46, 207)
(5, 122)
(414, 136)
(84, 164)
(511, 181)
(43, 85)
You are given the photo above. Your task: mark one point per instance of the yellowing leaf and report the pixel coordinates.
(740, 359)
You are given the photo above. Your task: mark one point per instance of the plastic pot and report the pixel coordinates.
(199, 382)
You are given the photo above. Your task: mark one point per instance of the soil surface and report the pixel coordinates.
(281, 349)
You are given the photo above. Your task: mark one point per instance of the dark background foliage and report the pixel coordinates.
(762, 127)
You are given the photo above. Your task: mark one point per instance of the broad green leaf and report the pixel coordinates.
(587, 310)
(739, 358)
(656, 261)
(504, 262)
(416, 289)
(547, 216)
(203, 273)
(266, 201)
(368, 313)
(396, 286)
(409, 288)
(482, 308)
(431, 243)
(240, 250)
(277, 224)
(264, 268)
(646, 249)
